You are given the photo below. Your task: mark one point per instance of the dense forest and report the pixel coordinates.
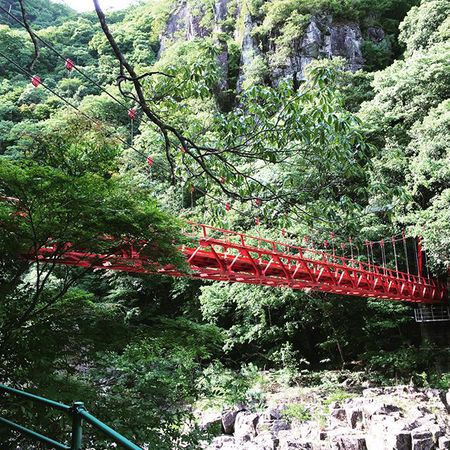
(281, 119)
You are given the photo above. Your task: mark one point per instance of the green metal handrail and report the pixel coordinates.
(78, 414)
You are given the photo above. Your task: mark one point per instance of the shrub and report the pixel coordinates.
(297, 412)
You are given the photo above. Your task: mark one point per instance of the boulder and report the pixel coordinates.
(245, 426)
(346, 440)
(432, 394)
(423, 444)
(400, 440)
(273, 426)
(309, 430)
(272, 414)
(223, 443)
(433, 428)
(288, 441)
(211, 420)
(354, 417)
(228, 418)
(422, 440)
(337, 417)
(372, 392)
(375, 408)
(266, 441)
(388, 434)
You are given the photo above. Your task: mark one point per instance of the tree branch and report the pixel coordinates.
(32, 37)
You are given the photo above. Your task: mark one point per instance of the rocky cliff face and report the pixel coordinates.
(391, 418)
(182, 25)
(324, 37)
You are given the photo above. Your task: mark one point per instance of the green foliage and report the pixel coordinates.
(137, 34)
(439, 380)
(255, 72)
(226, 388)
(276, 12)
(429, 176)
(376, 55)
(394, 363)
(355, 89)
(297, 412)
(408, 120)
(139, 385)
(13, 42)
(86, 207)
(162, 378)
(338, 395)
(425, 25)
(69, 191)
(41, 13)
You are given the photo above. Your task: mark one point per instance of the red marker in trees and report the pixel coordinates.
(35, 81)
(150, 161)
(69, 64)
(131, 113)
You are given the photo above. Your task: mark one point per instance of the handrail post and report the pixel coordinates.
(77, 426)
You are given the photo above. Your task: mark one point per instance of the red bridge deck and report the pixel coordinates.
(223, 255)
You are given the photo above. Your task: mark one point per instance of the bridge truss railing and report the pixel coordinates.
(256, 243)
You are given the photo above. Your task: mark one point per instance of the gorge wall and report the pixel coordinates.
(270, 56)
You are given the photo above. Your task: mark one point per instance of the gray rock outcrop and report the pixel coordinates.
(393, 418)
(323, 37)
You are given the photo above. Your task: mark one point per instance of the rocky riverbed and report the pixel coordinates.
(389, 418)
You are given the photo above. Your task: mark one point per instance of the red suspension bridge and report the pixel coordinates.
(224, 255)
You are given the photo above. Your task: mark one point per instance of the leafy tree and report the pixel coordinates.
(14, 42)
(42, 13)
(408, 113)
(425, 25)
